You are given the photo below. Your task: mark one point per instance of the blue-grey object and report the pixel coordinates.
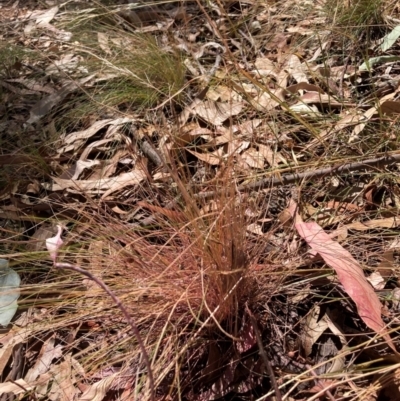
(390, 39)
(9, 292)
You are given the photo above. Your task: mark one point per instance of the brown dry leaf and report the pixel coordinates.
(296, 69)
(376, 280)
(8, 341)
(224, 136)
(37, 241)
(340, 233)
(33, 85)
(264, 101)
(97, 391)
(254, 229)
(304, 86)
(264, 67)
(79, 167)
(43, 17)
(236, 146)
(222, 93)
(332, 212)
(102, 186)
(313, 328)
(390, 107)
(16, 387)
(217, 112)
(44, 360)
(273, 158)
(213, 158)
(74, 140)
(340, 359)
(109, 167)
(365, 118)
(324, 99)
(98, 144)
(247, 128)
(349, 272)
(347, 121)
(386, 267)
(305, 110)
(390, 222)
(191, 131)
(63, 385)
(98, 186)
(253, 158)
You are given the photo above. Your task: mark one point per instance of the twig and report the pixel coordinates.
(101, 284)
(149, 151)
(291, 178)
(264, 356)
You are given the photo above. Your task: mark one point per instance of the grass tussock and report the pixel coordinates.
(185, 279)
(358, 18)
(134, 69)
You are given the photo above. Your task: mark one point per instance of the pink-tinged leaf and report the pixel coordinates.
(53, 244)
(349, 272)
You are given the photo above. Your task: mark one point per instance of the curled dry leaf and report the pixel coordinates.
(16, 387)
(349, 272)
(98, 390)
(390, 222)
(296, 69)
(211, 158)
(313, 328)
(106, 185)
(47, 354)
(217, 112)
(253, 158)
(75, 139)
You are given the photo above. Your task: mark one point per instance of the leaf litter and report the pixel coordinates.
(261, 108)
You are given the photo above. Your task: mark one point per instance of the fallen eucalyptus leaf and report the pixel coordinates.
(390, 39)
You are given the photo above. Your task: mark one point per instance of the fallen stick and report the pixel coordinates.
(295, 177)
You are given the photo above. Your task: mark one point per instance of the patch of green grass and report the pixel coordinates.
(134, 70)
(356, 15)
(10, 55)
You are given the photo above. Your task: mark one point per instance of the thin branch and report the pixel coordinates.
(101, 284)
(296, 177)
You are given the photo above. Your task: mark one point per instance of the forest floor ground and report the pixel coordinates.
(199, 200)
